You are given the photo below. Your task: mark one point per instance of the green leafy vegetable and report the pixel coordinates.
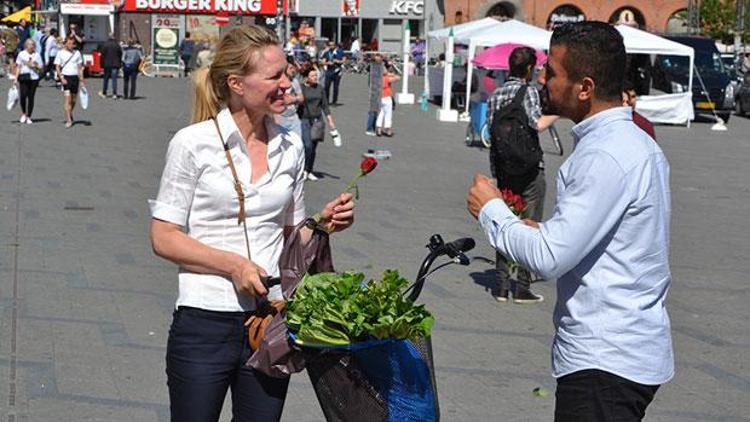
(338, 309)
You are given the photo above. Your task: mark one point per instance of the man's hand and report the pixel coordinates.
(531, 223)
(481, 192)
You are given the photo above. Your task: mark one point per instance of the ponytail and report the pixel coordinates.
(206, 104)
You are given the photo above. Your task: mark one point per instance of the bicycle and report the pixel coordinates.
(344, 381)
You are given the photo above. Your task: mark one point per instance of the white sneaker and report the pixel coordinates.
(22, 119)
(28, 121)
(312, 177)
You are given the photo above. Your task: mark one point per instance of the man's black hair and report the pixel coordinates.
(520, 60)
(595, 50)
(627, 86)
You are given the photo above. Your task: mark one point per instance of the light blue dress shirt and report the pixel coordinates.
(608, 244)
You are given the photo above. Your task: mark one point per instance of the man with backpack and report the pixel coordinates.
(515, 118)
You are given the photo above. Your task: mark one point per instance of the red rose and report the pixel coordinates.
(368, 165)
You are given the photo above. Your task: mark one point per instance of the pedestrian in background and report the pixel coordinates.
(23, 30)
(313, 110)
(518, 102)
(194, 225)
(187, 47)
(111, 62)
(375, 93)
(69, 65)
(289, 118)
(77, 35)
(332, 60)
(629, 99)
(29, 69)
(131, 61)
(51, 48)
(10, 41)
(384, 123)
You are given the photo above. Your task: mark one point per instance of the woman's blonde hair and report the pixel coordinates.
(235, 55)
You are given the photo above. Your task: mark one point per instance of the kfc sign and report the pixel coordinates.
(234, 7)
(406, 7)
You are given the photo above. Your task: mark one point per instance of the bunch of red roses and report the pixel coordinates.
(514, 201)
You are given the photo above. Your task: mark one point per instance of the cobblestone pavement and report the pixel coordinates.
(85, 306)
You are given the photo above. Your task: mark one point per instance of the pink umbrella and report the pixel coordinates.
(497, 57)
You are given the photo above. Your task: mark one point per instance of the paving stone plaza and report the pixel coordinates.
(85, 306)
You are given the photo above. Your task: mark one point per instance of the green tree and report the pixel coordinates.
(717, 19)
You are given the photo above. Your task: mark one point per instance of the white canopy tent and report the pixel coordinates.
(669, 108)
(510, 31)
(461, 34)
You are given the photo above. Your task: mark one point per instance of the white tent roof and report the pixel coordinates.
(464, 30)
(513, 31)
(642, 42)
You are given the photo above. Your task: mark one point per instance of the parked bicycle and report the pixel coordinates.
(480, 128)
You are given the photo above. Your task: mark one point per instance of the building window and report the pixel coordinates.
(329, 28)
(628, 16)
(566, 13)
(678, 22)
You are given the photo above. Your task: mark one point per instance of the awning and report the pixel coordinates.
(24, 14)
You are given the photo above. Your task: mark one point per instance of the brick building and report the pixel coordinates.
(651, 15)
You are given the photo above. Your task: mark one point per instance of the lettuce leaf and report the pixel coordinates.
(339, 308)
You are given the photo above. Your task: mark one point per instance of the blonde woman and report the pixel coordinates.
(29, 69)
(195, 225)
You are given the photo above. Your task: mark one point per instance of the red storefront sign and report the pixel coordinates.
(232, 7)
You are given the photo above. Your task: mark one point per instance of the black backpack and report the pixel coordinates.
(515, 146)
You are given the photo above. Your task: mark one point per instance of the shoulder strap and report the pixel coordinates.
(520, 95)
(237, 186)
(69, 59)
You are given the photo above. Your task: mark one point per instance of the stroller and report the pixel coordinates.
(384, 380)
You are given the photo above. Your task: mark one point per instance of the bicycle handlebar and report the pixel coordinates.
(454, 250)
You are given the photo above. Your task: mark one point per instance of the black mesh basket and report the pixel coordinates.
(347, 395)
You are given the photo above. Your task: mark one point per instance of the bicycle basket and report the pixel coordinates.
(390, 381)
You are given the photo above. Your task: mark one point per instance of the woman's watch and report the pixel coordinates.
(314, 223)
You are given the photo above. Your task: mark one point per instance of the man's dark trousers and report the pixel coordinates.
(532, 187)
(593, 395)
(333, 77)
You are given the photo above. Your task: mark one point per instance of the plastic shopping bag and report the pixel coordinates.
(83, 97)
(336, 136)
(12, 98)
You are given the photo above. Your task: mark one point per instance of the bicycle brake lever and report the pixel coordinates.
(269, 282)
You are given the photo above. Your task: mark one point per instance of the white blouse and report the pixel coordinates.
(197, 193)
(23, 59)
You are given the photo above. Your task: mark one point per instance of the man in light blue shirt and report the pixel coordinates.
(607, 241)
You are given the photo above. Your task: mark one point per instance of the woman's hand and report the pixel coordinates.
(338, 214)
(246, 277)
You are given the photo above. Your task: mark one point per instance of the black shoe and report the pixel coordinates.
(501, 295)
(525, 296)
